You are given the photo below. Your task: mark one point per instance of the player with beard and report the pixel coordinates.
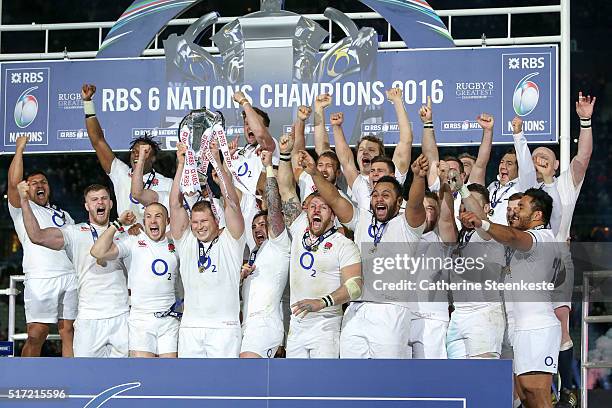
(265, 275)
(153, 281)
(371, 329)
(358, 177)
(430, 317)
(257, 136)
(325, 269)
(211, 258)
(537, 333)
(119, 172)
(50, 294)
(476, 326)
(101, 326)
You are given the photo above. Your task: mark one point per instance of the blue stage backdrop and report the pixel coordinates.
(134, 96)
(147, 383)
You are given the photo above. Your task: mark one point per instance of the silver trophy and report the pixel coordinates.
(198, 121)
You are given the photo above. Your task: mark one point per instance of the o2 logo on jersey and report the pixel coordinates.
(243, 170)
(550, 362)
(208, 264)
(160, 268)
(526, 95)
(371, 229)
(307, 262)
(26, 108)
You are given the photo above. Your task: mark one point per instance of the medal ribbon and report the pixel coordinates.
(315, 246)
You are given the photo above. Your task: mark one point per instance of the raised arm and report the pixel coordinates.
(51, 238)
(104, 249)
(403, 150)
(428, 144)
(15, 172)
(340, 206)
(343, 150)
(299, 127)
(479, 169)
(262, 135)
(508, 236)
(272, 198)
(94, 130)
(232, 212)
(415, 211)
(580, 162)
(526, 169)
(144, 196)
(179, 219)
(321, 138)
(292, 207)
(447, 226)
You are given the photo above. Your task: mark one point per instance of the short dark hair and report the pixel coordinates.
(432, 195)
(456, 160)
(202, 206)
(263, 115)
(540, 201)
(373, 139)
(331, 155)
(466, 155)
(396, 184)
(386, 160)
(147, 139)
(515, 196)
(262, 213)
(159, 205)
(36, 173)
(95, 187)
(479, 189)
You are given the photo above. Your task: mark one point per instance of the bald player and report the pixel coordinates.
(50, 294)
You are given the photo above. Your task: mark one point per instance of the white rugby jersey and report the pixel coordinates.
(248, 166)
(39, 261)
(568, 193)
(536, 265)
(121, 176)
(316, 274)
(498, 195)
(431, 246)
(396, 230)
(152, 273)
(211, 297)
(262, 290)
(492, 255)
(102, 288)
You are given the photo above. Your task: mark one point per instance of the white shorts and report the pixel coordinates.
(151, 334)
(206, 342)
(537, 350)
(318, 337)
(101, 337)
(262, 335)
(375, 330)
(49, 299)
(476, 332)
(428, 338)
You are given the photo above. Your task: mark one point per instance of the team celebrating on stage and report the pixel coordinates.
(274, 260)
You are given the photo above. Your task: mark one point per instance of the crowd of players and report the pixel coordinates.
(115, 288)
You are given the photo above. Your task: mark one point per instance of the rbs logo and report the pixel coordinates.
(27, 77)
(526, 63)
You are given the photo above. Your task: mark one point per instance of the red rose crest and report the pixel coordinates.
(171, 247)
(155, 181)
(327, 245)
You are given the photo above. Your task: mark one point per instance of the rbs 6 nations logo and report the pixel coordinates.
(26, 108)
(526, 95)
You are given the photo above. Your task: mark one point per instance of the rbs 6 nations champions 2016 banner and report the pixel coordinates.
(42, 99)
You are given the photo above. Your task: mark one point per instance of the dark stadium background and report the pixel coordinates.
(591, 30)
